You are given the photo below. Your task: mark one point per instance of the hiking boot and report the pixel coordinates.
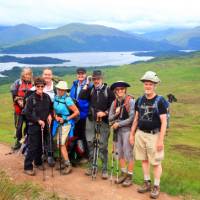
(58, 166)
(155, 192)
(128, 181)
(29, 172)
(121, 178)
(51, 161)
(67, 169)
(146, 187)
(40, 167)
(17, 145)
(88, 171)
(104, 175)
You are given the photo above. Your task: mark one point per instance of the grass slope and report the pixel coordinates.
(179, 76)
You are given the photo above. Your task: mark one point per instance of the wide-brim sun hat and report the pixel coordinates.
(62, 85)
(150, 76)
(119, 84)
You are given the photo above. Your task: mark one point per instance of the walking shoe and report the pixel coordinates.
(88, 171)
(51, 161)
(17, 145)
(128, 181)
(146, 187)
(29, 172)
(121, 178)
(40, 167)
(104, 175)
(67, 169)
(155, 192)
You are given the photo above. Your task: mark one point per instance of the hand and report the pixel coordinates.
(132, 139)
(89, 79)
(61, 120)
(160, 145)
(115, 125)
(49, 119)
(101, 114)
(41, 123)
(20, 103)
(117, 111)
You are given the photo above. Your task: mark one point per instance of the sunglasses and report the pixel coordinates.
(39, 86)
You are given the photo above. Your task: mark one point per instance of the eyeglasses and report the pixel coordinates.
(39, 86)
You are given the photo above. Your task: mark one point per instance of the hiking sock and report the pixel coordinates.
(124, 170)
(130, 173)
(156, 182)
(147, 178)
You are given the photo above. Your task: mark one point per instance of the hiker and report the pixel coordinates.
(121, 116)
(65, 111)
(100, 97)
(38, 114)
(18, 90)
(83, 106)
(148, 131)
(49, 89)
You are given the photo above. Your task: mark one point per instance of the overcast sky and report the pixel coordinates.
(135, 15)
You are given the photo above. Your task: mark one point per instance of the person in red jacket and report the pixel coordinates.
(18, 90)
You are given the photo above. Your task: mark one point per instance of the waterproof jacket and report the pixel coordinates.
(83, 104)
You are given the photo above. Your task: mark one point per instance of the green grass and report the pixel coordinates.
(180, 76)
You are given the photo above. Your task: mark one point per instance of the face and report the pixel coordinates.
(120, 91)
(27, 76)
(60, 92)
(47, 75)
(97, 81)
(149, 87)
(81, 76)
(39, 89)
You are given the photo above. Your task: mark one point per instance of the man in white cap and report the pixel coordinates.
(147, 132)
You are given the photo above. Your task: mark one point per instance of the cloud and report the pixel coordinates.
(123, 14)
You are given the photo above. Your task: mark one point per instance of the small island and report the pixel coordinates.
(40, 60)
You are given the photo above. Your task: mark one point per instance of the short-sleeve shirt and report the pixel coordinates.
(61, 105)
(149, 115)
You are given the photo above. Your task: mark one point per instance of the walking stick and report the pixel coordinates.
(96, 149)
(43, 153)
(60, 137)
(51, 149)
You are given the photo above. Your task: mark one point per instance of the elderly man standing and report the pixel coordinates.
(100, 97)
(148, 131)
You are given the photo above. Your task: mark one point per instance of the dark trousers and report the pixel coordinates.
(34, 152)
(19, 120)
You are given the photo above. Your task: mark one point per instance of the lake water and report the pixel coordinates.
(87, 59)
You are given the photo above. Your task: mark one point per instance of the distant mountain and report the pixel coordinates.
(13, 34)
(163, 34)
(78, 37)
(4, 27)
(189, 39)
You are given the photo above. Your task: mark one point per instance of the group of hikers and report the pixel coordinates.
(77, 121)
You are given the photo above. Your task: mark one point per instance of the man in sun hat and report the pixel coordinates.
(100, 97)
(148, 131)
(121, 116)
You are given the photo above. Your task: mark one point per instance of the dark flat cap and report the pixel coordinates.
(97, 74)
(81, 70)
(119, 84)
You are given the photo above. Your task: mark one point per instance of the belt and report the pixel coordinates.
(154, 131)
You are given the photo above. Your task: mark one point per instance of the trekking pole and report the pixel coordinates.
(117, 163)
(60, 136)
(96, 149)
(51, 149)
(112, 167)
(43, 153)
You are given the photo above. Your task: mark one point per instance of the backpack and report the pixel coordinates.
(76, 119)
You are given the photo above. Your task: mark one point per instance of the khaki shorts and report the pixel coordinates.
(145, 148)
(64, 133)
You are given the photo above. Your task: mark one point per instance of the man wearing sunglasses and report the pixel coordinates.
(100, 97)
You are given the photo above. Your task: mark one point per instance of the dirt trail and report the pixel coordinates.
(75, 185)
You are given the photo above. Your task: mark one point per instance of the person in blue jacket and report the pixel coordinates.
(80, 151)
(65, 111)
